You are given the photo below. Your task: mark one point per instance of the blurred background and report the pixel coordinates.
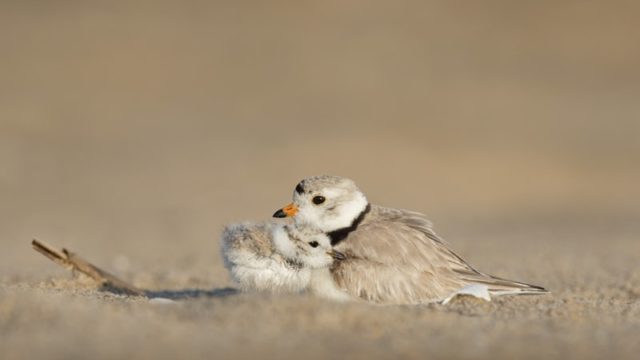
(135, 130)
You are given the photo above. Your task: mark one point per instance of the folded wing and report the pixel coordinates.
(395, 257)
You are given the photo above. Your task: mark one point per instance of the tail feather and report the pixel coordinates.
(499, 286)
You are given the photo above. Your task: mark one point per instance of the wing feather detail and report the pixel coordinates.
(395, 257)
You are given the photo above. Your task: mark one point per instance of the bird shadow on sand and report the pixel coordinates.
(185, 294)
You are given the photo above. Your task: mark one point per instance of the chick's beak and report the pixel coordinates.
(337, 255)
(287, 211)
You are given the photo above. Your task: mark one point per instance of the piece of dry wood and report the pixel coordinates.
(72, 261)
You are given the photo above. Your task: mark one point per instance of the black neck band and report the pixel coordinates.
(337, 236)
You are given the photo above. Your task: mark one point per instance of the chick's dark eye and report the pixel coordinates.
(318, 199)
(314, 244)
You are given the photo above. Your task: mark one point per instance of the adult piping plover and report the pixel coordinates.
(391, 256)
(278, 257)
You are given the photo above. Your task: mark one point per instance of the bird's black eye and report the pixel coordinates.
(314, 244)
(318, 199)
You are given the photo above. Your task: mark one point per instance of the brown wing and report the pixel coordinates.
(396, 257)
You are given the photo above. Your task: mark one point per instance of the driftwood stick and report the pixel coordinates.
(72, 261)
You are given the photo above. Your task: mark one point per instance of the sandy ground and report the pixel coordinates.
(592, 313)
(131, 133)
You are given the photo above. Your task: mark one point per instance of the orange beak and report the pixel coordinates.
(287, 211)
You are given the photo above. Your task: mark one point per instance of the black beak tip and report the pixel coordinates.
(338, 255)
(279, 214)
